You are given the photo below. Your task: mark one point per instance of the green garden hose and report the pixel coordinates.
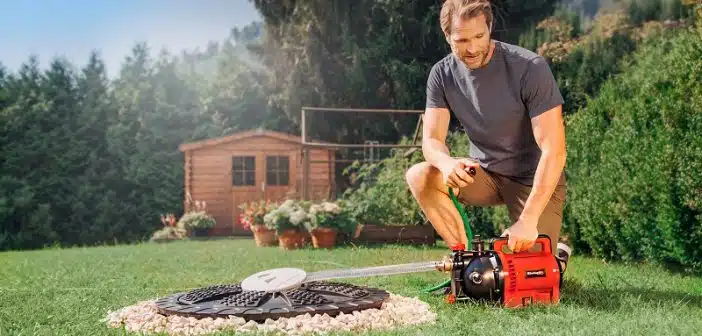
(462, 211)
(469, 234)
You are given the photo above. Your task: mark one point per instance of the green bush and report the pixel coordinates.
(583, 71)
(635, 156)
(646, 10)
(382, 196)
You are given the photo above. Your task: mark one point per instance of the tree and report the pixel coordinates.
(368, 53)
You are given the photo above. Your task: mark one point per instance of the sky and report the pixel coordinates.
(73, 28)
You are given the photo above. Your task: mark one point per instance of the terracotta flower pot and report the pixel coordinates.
(323, 237)
(264, 236)
(291, 239)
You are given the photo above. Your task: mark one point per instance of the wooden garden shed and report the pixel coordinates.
(248, 166)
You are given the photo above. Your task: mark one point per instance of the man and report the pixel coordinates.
(510, 106)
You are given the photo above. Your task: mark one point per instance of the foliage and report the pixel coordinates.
(196, 220)
(252, 213)
(641, 11)
(197, 217)
(168, 233)
(635, 154)
(334, 215)
(171, 230)
(382, 196)
(290, 215)
(582, 62)
(343, 53)
(89, 160)
(584, 59)
(168, 220)
(583, 71)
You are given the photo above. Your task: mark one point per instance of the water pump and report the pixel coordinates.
(497, 274)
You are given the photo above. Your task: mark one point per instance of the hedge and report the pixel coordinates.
(635, 157)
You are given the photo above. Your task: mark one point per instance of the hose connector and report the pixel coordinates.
(445, 264)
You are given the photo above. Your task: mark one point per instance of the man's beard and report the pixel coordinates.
(479, 59)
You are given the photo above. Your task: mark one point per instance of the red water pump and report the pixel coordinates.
(498, 274)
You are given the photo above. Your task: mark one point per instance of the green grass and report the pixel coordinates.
(68, 292)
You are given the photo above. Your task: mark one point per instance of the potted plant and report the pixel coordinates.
(251, 218)
(327, 219)
(198, 221)
(288, 220)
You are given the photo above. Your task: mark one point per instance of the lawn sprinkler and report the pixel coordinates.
(486, 270)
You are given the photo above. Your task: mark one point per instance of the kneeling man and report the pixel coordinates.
(508, 101)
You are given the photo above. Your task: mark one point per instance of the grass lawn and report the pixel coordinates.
(68, 292)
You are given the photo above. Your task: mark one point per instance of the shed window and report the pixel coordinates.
(277, 170)
(244, 170)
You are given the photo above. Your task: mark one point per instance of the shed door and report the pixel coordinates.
(260, 176)
(279, 179)
(245, 182)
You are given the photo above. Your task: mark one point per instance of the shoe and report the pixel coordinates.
(562, 254)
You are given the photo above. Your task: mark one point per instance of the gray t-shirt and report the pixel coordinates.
(494, 105)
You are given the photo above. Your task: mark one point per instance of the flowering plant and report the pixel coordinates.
(333, 215)
(197, 217)
(290, 215)
(168, 220)
(196, 220)
(170, 230)
(253, 212)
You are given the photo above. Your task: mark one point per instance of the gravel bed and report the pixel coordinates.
(396, 311)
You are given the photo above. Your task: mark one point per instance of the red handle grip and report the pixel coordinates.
(500, 245)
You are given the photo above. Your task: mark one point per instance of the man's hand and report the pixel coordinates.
(522, 235)
(455, 172)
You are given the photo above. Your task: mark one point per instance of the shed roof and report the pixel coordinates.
(284, 137)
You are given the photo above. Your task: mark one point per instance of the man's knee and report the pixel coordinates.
(421, 175)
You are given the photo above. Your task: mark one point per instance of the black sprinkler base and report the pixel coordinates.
(312, 298)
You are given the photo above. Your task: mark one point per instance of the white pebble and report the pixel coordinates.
(396, 311)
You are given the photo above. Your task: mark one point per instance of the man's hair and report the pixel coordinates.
(465, 9)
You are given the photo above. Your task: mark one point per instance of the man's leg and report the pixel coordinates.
(431, 193)
(516, 194)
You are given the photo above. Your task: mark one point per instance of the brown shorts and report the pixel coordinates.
(490, 189)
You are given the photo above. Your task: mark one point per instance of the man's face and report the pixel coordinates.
(470, 40)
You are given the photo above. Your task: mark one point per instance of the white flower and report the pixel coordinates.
(331, 207)
(287, 205)
(298, 216)
(315, 208)
(271, 217)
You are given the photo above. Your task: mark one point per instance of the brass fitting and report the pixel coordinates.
(445, 264)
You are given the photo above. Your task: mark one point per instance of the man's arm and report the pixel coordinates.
(434, 132)
(544, 104)
(549, 133)
(435, 122)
